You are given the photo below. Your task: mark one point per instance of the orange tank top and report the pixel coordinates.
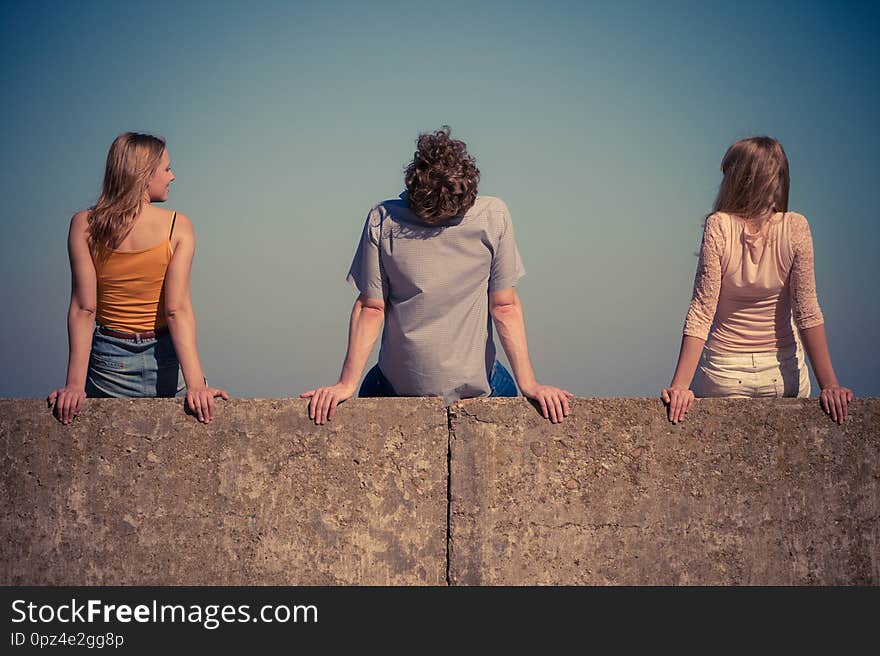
(131, 287)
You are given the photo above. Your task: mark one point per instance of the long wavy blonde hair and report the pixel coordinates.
(756, 179)
(131, 162)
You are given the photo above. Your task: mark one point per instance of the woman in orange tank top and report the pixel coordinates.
(754, 307)
(131, 325)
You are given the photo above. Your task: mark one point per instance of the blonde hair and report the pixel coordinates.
(131, 162)
(756, 179)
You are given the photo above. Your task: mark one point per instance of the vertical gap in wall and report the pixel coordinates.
(450, 434)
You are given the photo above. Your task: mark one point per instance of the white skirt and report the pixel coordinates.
(749, 375)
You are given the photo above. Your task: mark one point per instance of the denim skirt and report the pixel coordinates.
(133, 367)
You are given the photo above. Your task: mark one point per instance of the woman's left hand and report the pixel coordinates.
(678, 401)
(834, 400)
(67, 401)
(201, 401)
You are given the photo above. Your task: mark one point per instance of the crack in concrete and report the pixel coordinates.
(475, 417)
(450, 415)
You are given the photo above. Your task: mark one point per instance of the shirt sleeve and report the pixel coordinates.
(507, 267)
(366, 273)
(802, 278)
(707, 282)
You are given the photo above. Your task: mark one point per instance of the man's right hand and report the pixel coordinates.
(553, 401)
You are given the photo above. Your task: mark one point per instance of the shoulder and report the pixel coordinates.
(493, 211)
(392, 211)
(491, 204)
(79, 228)
(79, 222)
(717, 225)
(183, 223)
(385, 207)
(380, 211)
(800, 238)
(797, 221)
(78, 235)
(184, 234)
(717, 221)
(716, 229)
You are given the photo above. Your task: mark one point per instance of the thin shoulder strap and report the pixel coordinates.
(173, 219)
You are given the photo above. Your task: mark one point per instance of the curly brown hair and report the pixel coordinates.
(442, 179)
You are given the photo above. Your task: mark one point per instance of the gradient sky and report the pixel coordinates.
(602, 127)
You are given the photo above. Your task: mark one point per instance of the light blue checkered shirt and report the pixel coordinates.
(435, 281)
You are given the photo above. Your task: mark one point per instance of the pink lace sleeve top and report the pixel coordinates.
(749, 287)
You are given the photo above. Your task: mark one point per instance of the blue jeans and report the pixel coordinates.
(375, 383)
(133, 368)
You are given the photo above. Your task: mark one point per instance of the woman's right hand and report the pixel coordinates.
(325, 399)
(201, 401)
(678, 402)
(834, 400)
(67, 402)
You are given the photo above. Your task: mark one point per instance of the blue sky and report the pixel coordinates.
(602, 127)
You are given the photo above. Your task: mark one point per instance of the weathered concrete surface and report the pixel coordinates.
(743, 492)
(135, 492)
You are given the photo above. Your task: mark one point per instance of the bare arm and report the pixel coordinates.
(179, 313)
(834, 398)
(688, 359)
(507, 313)
(181, 321)
(364, 327)
(816, 345)
(678, 395)
(68, 400)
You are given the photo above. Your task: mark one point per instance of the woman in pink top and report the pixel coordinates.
(754, 281)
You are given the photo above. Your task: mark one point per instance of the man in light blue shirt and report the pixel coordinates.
(437, 266)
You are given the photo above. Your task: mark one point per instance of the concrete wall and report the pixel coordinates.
(135, 492)
(744, 492)
(402, 491)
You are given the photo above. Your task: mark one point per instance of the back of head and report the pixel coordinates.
(756, 179)
(132, 159)
(442, 179)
